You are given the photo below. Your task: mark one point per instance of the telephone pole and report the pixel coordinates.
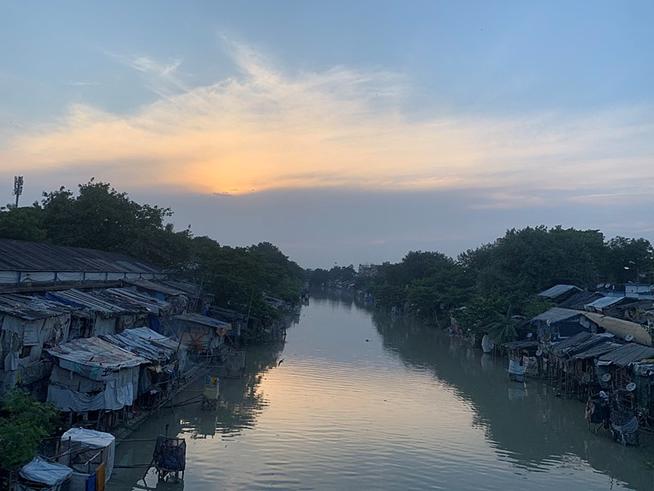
(18, 188)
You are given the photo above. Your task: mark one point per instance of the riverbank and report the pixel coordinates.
(410, 408)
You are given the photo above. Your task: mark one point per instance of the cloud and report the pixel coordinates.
(264, 129)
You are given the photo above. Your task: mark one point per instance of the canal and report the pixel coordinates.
(356, 400)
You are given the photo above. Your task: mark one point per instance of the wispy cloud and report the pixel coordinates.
(266, 129)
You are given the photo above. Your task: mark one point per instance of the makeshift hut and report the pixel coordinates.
(90, 454)
(198, 333)
(571, 361)
(166, 360)
(93, 315)
(92, 376)
(27, 326)
(613, 367)
(149, 311)
(177, 298)
(557, 323)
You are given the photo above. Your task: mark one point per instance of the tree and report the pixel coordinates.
(24, 422)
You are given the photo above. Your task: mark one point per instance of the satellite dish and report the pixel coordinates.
(539, 352)
(606, 377)
(631, 386)
(628, 338)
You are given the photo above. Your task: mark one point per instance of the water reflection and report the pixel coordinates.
(527, 423)
(366, 400)
(242, 401)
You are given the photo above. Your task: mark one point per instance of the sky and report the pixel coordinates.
(344, 132)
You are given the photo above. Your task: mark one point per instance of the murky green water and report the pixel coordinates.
(365, 402)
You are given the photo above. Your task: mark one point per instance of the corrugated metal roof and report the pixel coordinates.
(156, 286)
(556, 314)
(132, 299)
(578, 300)
(203, 320)
(18, 255)
(189, 288)
(144, 342)
(596, 350)
(626, 354)
(88, 301)
(562, 347)
(96, 352)
(602, 303)
(31, 307)
(557, 291)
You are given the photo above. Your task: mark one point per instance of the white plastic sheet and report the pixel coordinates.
(44, 472)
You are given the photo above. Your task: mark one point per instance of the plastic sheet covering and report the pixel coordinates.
(91, 439)
(44, 472)
(114, 397)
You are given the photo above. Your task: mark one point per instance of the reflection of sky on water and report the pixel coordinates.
(367, 401)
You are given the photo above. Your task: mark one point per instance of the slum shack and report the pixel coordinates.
(166, 361)
(571, 362)
(148, 311)
(201, 335)
(557, 323)
(177, 298)
(28, 325)
(94, 379)
(613, 368)
(93, 315)
(90, 454)
(643, 379)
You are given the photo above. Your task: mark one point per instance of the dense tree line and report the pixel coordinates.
(488, 289)
(99, 217)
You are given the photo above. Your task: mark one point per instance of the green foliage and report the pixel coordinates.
(490, 288)
(24, 422)
(99, 217)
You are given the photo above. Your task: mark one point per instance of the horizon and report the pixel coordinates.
(346, 135)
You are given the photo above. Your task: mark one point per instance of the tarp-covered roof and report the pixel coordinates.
(203, 320)
(626, 354)
(96, 352)
(18, 255)
(43, 472)
(621, 328)
(556, 314)
(557, 290)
